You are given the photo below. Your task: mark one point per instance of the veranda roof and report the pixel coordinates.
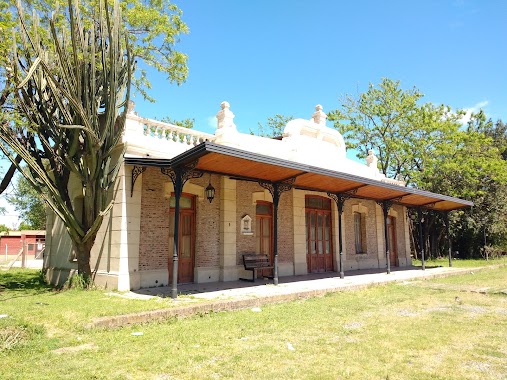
(245, 165)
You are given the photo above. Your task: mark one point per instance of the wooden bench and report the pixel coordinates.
(255, 262)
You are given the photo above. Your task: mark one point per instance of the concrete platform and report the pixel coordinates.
(323, 282)
(225, 296)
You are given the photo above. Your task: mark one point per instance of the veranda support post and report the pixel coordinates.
(340, 199)
(179, 175)
(421, 240)
(178, 187)
(446, 220)
(276, 189)
(386, 205)
(276, 201)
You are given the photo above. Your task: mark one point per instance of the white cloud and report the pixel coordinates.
(474, 109)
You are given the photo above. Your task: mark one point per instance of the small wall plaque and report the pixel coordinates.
(246, 225)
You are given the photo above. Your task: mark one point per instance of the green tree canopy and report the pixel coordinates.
(153, 28)
(27, 201)
(71, 94)
(185, 123)
(273, 127)
(379, 119)
(430, 148)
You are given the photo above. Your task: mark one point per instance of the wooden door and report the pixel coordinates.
(391, 235)
(319, 248)
(264, 233)
(186, 239)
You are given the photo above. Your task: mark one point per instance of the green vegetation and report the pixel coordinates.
(273, 126)
(457, 263)
(71, 102)
(431, 147)
(30, 205)
(438, 329)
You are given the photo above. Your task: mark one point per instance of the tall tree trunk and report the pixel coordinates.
(83, 253)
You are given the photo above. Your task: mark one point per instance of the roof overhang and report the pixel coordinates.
(244, 165)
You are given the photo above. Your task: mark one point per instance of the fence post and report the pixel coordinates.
(23, 254)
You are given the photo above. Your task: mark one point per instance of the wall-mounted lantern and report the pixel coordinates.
(210, 191)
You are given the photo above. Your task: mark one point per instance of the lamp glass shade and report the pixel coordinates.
(210, 192)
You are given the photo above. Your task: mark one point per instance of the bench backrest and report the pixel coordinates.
(252, 260)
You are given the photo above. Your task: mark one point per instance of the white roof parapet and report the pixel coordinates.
(372, 163)
(147, 137)
(308, 135)
(307, 141)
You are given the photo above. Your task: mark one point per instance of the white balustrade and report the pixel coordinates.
(163, 132)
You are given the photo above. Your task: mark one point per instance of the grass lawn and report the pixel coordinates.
(451, 328)
(458, 263)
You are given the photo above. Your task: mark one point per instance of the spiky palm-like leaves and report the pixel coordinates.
(70, 92)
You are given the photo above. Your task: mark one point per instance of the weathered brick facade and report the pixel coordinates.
(245, 205)
(155, 248)
(285, 226)
(368, 209)
(207, 250)
(154, 238)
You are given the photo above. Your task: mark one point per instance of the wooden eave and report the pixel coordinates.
(241, 164)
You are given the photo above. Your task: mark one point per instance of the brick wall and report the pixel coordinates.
(155, 247)
(368, 207)
(207, 248)
(285, 228)
(245, 205)
(154, 236)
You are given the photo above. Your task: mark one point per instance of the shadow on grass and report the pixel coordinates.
(22, 283)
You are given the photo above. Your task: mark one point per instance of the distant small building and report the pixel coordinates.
(11, 242)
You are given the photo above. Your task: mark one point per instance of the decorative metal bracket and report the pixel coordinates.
(187, 172)
(136, 172)
(396, 199)
(340, 199)
(385, 203)
(354, 190)
(277, 188)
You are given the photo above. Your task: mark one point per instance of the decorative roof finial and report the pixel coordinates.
(130, 108)
(225, 117)
(319, 117)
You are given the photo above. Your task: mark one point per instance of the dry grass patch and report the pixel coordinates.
(394, 331)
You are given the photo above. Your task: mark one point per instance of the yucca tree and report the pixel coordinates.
(71, 92)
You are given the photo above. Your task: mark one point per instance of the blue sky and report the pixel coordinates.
(269, 57)
(284, 57)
